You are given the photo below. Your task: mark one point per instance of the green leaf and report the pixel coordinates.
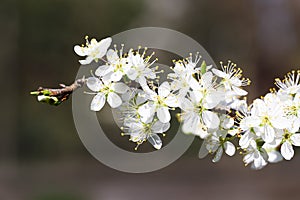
(203, 67)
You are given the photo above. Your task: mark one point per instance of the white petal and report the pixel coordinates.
(87, 61)
(103, 70)
(218, 155)
(227, 123)
(194, 84)
(80, 50)
(164, 89)
(103, 46)
(259, 162)
(159, 127)
(155, 140)
(274, 156)
(98, 102)
(191, 123)
(239, 91)
(248, 158)
(163, 114)
(249, 122)
(269, 134)
(287, 151)
(229, 148)
(235, 81)
(213, 99)
(132, 74)
(203, 150)
(94, 84)
(120, 88)
(210, 119)
(201, 131)
(112, 56)
(185, 104)
(218, 73)
(206, 79)
(146, 111)
(296, 139)
(116, 76)
(171, 101)
(280, 122)
(245, 140)
(114, 100)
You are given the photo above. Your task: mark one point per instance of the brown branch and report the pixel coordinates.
(55, 96)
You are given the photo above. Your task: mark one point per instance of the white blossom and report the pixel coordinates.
(105, 91)
(158, 103)
(140, 132)
(93, 50)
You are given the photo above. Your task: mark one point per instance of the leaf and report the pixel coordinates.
(203, 67)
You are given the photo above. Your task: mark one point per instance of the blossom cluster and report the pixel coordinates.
(211, 101)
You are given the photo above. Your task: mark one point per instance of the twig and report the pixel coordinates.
(58, 95)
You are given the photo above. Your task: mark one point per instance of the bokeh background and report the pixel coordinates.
(41, 155)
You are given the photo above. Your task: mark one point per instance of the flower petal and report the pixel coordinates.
(219, 73)
(190, 123)
(295, 138)
(274, 156)
(203, 150)
(103, 46)
(210, 119)
(159, 127)
(103, 70)
(213, 99)
(287, 151)
(146, 111)
(81, 51)
(87, 61)
(229, 148)
(164, 89)
(120, 87)
(163, 114)
(171, 101)
(114, 100)
(239, 91)
(245, 139)
(268, 134)
(218, 155)
(132, 74)
(116, 76)
(98, 102)
(94, 84)
(112, 56)
(155, 140)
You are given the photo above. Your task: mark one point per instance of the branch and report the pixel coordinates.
(58, 95)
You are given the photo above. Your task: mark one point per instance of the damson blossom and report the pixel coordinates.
(115, 68)
(288, 141)
(196, 118)
(196, 115)
(105, 91)
(255, 155)
(158, 103)
(232, 78)
(140, 132)
(290, 84)
(183, 73)
(93, 50)
(140, 66)
(211, 102)
(217, 142)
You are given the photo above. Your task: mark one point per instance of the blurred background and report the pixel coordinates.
(41, 155)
